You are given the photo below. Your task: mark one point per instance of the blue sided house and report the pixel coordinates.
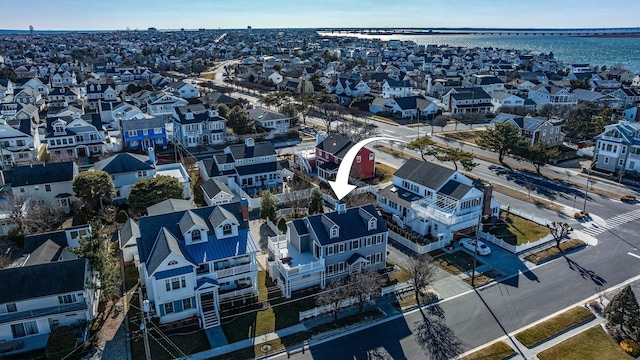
(141, 134)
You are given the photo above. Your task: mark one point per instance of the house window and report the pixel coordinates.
(47, 187)
(358, 159)
(368, 241)
(226, 229)
(341, 247)
(186, 304)
(202, 269)
(5, 308)
(371, 156)
(355, 244)
(145, 132)
(168, 308)
(24, 329)
(175, 283)
(172, 262)
(606, 160)
(334, 232)
(330, 250)
(132, 133)
(157, 131)
(21, 189)
(372, 224)
(196, 235)
(67, 299)
(621, 162)
(142, 173)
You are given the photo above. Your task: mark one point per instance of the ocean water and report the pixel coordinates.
(590, 50)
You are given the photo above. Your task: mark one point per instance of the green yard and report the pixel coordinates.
(467, 136)
(280, 314)
(593, 344)
(554, 326)
(517, 230)
(497, 351)
(454, 263)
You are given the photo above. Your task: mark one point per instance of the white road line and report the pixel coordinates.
(634, 255)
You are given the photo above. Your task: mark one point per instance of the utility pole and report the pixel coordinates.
(143, 326)
(586, 190)
(475, 253)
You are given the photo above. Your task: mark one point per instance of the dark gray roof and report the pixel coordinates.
(169, 206)
(165, 244)
(265, 115)
(335, 144)
(261, 148)
(129, 230)
(352, 225)
(189, 219)
(469, 93)
(428, 174)
(42, 174)
(219, 215)
(259, 168)
(139, 124)
(455, 189)
(27, 282)
(45, 253)
(213, 187)
(124, 163)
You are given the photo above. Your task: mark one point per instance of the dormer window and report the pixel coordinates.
(373, 224)
(334, 232)
(226, 229)
(196, 235)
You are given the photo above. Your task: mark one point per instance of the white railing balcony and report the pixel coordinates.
(236, 270)
(316, 266)
(236, 293)
(634, 156)
(611, 138)
(444, 217)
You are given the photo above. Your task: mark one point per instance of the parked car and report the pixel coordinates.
(470, 244)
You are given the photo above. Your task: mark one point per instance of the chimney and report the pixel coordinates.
(249, 142)
(487, 192)
(244, 208)
(341, 207)
(152, 155)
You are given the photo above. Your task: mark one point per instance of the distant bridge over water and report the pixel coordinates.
(604, 32)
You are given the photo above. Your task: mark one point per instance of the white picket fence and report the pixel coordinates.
(274, 227)
(325, 309)
(525, 215)
(419, 249)
(513, 248)
(396, 289)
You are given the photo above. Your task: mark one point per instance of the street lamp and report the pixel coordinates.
(475, 252)
(586, 190)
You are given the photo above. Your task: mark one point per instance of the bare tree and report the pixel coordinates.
(422, 272)
(42, 217)
(365, 288)
(330, 114)
(333, 297)
(558, 230)
(108, 214)
(296, 196)
(356, 132)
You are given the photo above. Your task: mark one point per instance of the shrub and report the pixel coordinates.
(595, 305)
(60, 343)
(630, 347)
(282, 225)
(580, 215)
(628, 198)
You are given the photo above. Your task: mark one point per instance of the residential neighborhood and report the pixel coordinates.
(178, 194)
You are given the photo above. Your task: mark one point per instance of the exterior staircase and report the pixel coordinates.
(210, 316)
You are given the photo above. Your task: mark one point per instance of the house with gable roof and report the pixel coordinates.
(396, 88)
(141, 134)
(198, 124)
(73, 137)
(550, 94)
(192, 260)
(618, 148)
(534, 129)
(183, 90)
(435, 201)
(52, 183)
(327, 247)
(30, 312)
(329, 154)
(462, 100)
(275, 122)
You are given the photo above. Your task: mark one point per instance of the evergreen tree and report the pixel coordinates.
(150, 191)
(623, 310)
(504, 139)
(268, 206)
(316, 205)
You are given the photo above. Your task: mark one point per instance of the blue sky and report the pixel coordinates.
(212, 14)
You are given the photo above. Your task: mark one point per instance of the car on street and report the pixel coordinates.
(470, 244)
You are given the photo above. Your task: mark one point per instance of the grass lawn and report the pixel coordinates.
(454, 263)
(384, 172)
(131, 277)
(552, 252)
(399, 275)
(554, 326)
(518, 231)
(468, 136)
(275, 317)
(189, 344)
(262, 349)
(497, 351)
(593, 344)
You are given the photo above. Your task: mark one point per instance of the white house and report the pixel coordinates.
(198, 124)
(37, 299)
(552, 95)
(73, 137)
(618, 148)
(435, 201)
(52, 183)
(504, 99)
(396, 88)
(183, 90)
(190, 261)
(275, 122)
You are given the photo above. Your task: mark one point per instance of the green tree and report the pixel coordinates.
(464, 158)
(223, 110)
(268, 206)
(504, 139)
(316, 204)
(95, 248)
(623, 310)
(276, 98)
(425, 146)
(8, 73)
(580, 84)
(539, 154)
(150, 191)
(291, 110)
(60, 343)
(282, 225)
(92, 187)
(240, 121)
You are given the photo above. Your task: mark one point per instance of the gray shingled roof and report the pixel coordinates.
(165, 244)
(455, 189)
(124, 163)
(27, 282)
(189, 219)
(129, 230)
(428, 174)
(42, 174)
(219, 215)
(169, 206)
